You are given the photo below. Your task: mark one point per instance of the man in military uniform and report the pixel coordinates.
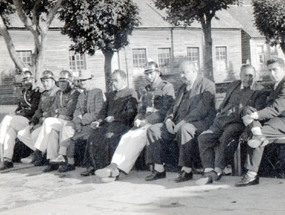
(64, 106)
(11, 124)
(89, 105)
(115, 119)
(156, 99)
(29, 134)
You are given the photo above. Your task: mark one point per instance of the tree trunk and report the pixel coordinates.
(39, 56)
(208, 55)
(10, 46)
(108, 69)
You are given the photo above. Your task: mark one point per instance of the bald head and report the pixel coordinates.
(188, 72)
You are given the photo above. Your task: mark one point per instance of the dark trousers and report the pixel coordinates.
(160, 140)
(213, 142)
(102, 144)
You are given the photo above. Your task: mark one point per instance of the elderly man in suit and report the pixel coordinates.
(228, 124)
(156, 98)
(266, 123)
(192, 112)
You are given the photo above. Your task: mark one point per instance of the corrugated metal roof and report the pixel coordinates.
(244, 15)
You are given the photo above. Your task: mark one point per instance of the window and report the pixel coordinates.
(193, 55)
(26, 57)
(221, 58)
(273, 51)
(139, 58)
(76, 61)
(164, 59)
(260, 54)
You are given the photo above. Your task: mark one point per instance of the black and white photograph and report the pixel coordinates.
(142, 107)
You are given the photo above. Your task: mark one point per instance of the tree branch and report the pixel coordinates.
(10, 46)
(27, 21)
(53, 11)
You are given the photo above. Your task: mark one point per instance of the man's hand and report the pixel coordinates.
(109, 119)
(177, 127)
(95, 124)
(170, 125)
(140, 123)
(137, 123)
(247, 120)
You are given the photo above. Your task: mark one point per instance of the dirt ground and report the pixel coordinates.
(27, 190)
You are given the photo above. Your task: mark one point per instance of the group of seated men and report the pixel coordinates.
(117, 130)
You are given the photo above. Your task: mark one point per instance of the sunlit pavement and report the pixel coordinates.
(27, 190)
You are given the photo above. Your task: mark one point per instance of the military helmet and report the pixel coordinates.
(65, 75)
(47, 74)
(151, 66)
(27, 76)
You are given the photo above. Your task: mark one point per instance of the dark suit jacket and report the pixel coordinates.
(275, 104)
(122, 105)
(256, 98)
(202, 101)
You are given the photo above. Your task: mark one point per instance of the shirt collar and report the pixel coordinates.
(242, 86)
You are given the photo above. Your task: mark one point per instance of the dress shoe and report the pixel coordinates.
(6, 165)
(51, 167)
(257, 140)
(184, 176)
(155, 175)
(30, 159)
(247, 180)
(39, 160)
(88, 172)
(208, 178)
(109, 171)
(66, 167)
(59, 159)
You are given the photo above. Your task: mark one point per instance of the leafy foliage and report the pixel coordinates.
(270, 20)
(33, 9)
(99, 24)
(186, 11)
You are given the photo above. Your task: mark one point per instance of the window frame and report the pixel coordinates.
(137, 62)
(197, 61)
(25, 62)
(79, 62)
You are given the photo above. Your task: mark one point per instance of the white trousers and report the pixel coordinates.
(29, 139)
(47, 141)
(129, 148)
(9, 128)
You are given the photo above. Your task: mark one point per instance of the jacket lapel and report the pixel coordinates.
(225, 101)
(179, 98)
(195, 89)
